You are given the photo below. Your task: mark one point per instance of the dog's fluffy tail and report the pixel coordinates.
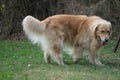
(33, 28)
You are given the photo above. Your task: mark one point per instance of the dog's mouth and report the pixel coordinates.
(102, 43)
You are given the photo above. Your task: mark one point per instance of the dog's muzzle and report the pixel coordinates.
(102, 43)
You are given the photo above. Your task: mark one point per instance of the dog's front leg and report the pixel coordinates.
(77, 54)
(94, 58)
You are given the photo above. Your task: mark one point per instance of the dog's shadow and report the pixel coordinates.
(113, 64)
(85, 63)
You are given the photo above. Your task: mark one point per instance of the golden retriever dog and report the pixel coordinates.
(78, 33)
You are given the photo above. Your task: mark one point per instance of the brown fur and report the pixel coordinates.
(79, 32)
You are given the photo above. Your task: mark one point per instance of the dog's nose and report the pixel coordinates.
(106, 40)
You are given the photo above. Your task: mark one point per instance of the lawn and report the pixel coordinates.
(20, 60)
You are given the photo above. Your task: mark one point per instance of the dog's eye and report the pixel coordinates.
(108, 31)
(102, 31)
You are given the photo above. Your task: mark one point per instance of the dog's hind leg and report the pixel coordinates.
(57, 52)
(55, 42)
(54, 50)
(59, 59)
(47, 57)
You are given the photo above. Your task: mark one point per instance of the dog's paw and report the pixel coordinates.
(100, 64)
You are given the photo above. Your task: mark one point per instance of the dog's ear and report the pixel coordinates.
(94, 26)
(96, 30)
(110, 28)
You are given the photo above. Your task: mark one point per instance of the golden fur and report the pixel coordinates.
(77, 32)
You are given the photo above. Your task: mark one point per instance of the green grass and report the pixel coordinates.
(16, 56)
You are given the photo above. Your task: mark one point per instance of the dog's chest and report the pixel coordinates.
(84, 43)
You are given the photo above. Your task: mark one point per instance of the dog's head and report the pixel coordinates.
(103, 31)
